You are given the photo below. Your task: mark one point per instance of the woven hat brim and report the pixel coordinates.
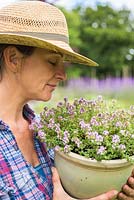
(55, 45)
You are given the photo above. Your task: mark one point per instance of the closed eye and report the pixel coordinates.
(53, 63)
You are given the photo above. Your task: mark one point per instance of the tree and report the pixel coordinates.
(105, 35)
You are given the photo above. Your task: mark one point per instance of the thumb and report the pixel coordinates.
(58, 193)
(132, 174)
(55, 176)
(106, 196)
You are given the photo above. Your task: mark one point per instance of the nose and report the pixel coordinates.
(61, 73)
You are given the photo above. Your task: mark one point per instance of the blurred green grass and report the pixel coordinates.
(125, 98)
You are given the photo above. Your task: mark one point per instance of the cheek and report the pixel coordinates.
(36, 84)
(41, 76)
(29, 83)
(36, 77)
(32, 76)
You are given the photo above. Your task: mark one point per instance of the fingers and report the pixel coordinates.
(106, 196)
(55, 177)
(130, 182)
(127, 192)
(58, 193)
(59, 190)
(56, 181)
(122, 196)
(132, 173)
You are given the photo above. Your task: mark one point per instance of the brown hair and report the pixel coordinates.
(25, 50)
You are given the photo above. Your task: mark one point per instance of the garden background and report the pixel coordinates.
(106, 35)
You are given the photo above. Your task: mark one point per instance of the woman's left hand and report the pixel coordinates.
(60, 194)
(127, 192)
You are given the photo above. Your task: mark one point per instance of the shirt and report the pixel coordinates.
(40, 171)
(18, 178)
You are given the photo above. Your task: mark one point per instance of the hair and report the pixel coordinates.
(25, 50)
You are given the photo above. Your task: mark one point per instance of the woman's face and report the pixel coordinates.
(40, 74)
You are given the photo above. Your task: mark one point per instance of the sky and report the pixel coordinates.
(118, 4)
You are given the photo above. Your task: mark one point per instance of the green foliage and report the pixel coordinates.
(74, 23)
(104, 35)
(96, 129)
(111, 46)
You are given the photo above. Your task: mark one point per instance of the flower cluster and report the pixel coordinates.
(97, 129)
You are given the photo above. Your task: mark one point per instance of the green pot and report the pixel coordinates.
(85, 178)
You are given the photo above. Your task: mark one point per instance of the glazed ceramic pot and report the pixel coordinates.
(84, 178)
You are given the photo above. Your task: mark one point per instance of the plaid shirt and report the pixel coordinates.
(18, 179)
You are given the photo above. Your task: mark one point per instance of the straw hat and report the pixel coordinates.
(38, 24)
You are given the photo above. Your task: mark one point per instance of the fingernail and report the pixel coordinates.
(115, 193)
(52, 169)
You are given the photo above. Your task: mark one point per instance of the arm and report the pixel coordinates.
(60, 194)
(127, 192)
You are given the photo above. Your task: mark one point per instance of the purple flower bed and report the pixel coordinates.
(105, 85)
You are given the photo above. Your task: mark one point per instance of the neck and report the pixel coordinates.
(11, 104)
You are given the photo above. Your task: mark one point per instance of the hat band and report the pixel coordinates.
(41, 35)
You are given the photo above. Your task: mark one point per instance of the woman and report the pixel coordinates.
(33, 46)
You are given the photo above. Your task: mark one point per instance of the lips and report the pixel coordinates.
(52, 85)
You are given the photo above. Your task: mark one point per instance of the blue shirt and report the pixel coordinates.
(40, 171)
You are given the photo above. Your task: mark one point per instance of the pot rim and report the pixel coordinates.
(81, 160)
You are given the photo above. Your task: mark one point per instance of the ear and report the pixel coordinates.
(12, 58)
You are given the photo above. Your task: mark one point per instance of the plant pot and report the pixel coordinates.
(85, 178)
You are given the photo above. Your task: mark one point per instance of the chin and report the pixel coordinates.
(45, 98)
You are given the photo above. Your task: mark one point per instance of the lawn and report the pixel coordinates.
(121, 89)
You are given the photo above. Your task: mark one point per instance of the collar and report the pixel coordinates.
(28, 114)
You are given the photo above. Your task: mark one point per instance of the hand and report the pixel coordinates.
(60, 194)
(127, 192)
